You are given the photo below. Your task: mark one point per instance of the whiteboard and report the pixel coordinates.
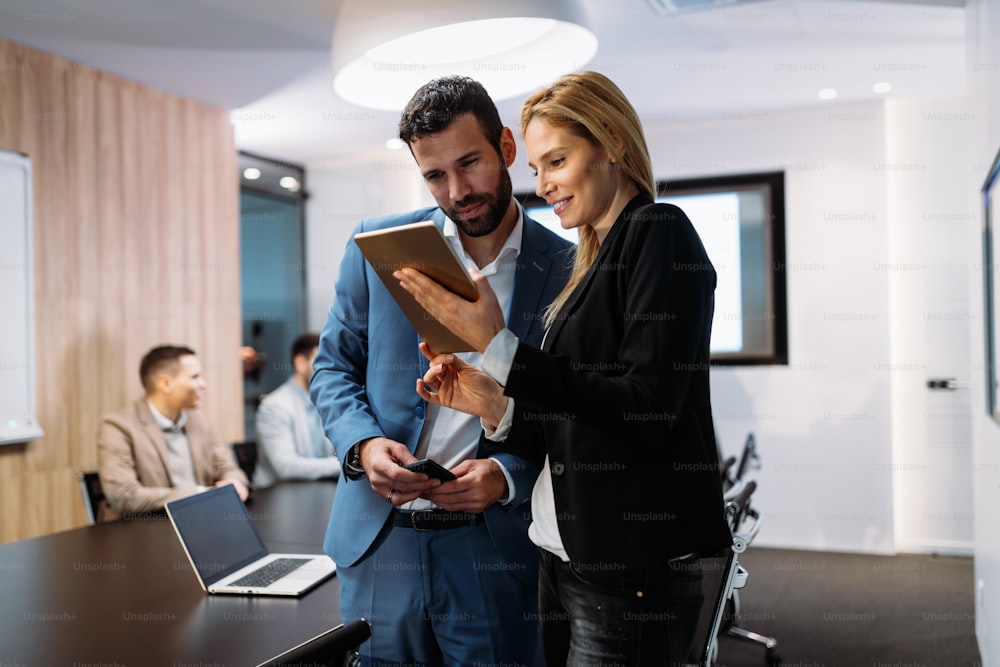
(18, 422)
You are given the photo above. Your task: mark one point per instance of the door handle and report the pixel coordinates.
(942, 383)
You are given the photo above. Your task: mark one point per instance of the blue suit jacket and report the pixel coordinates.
(366, 369)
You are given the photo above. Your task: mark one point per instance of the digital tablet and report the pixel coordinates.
(420, 245)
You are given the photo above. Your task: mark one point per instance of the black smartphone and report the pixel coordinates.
(431, 469)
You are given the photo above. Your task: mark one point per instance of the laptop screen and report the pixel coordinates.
(215, 527)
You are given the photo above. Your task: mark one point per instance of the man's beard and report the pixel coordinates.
(496, 202)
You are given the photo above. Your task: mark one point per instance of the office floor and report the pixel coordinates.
(850, 610)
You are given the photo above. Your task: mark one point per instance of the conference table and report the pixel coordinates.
(124, 594)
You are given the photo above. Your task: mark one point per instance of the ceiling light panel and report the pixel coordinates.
(512, 49)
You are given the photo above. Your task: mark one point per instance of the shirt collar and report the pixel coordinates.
(303, 394)
(511, 245)
(164, 422)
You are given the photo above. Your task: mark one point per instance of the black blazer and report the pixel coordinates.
(618, 398)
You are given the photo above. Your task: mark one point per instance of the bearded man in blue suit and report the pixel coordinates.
(444, 572)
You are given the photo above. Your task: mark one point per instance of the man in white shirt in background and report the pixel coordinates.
(291, 444)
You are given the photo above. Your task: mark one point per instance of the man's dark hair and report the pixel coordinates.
(159, 359)
(304, 344)
(439, 102)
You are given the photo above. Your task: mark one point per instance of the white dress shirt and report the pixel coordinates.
(178, 448)
(448, 436)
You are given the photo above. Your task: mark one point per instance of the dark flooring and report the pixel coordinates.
(850, 610)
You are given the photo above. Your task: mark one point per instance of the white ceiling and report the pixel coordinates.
(269, 61)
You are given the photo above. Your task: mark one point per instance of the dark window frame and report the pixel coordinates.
(775, 278)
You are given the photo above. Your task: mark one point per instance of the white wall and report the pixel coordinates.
(340, 196)
(822, 423)
(983, 26)
(931, 210)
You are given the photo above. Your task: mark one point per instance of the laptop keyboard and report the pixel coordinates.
(271, 572)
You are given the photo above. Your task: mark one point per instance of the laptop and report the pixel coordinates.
(228, 555)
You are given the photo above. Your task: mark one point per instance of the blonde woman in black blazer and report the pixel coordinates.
(616, 402)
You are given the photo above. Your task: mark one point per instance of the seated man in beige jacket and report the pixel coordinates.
(161, 447)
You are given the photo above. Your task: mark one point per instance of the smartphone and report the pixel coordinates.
(431, 469)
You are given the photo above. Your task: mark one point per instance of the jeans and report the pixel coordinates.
(617, 616)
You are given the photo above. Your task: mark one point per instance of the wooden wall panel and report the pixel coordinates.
(136, 213)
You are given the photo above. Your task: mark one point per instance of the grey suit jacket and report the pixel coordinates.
(133, 464)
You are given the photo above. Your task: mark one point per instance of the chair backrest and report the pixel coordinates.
(738, 507)
(93, 494)
(719, 577)
(748, 458)
(334, 648)
(245, 454)
(726, 470)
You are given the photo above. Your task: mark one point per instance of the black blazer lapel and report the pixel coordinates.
(604, 258)
(574, 298)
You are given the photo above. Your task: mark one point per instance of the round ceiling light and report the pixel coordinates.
(509, 56)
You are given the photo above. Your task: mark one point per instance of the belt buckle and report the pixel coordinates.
(413, 520)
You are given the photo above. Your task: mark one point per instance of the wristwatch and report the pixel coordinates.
(353, 469)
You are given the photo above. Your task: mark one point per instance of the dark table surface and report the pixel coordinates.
(123, 594)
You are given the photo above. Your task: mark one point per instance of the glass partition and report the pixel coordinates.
(272, 275)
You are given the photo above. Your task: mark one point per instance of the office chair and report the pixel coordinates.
(722, 577)
(245, 454)
(727, 467)
(749, 458)
(337, 647)
(735, 484)
(93, 494)
(734, 469)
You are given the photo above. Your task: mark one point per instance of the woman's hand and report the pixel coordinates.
(475, 322)
(452, 383)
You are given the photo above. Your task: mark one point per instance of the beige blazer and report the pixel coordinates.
(132, 460)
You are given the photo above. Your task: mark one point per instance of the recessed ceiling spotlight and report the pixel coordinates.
(251, 173)
(882, 87)
(290, 183)
(827, 93)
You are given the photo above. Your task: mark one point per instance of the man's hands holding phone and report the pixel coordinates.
(478, 483)
(431, 468)
(383, 460)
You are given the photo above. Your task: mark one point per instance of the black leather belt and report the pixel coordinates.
(433, 519)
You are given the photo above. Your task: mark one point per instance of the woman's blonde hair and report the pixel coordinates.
(591, 106)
